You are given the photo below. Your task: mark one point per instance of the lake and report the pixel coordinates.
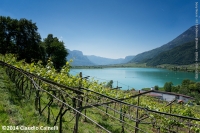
(136, 78)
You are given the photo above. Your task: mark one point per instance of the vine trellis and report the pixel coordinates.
(54, 101)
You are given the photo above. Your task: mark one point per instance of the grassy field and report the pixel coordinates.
(142, 65)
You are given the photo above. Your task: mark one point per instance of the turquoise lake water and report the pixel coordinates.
(136, 78)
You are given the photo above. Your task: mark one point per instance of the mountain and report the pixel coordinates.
(107, 61)
(187, 36)
(78, 58)
(181, 55)
(128, 58)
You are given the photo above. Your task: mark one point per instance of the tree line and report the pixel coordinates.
(20, 37)
(187, 87)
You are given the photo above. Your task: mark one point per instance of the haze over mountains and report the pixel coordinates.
(179, 51)
(79, 59)
(107, 61)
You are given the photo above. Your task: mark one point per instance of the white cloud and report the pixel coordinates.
(61, 38)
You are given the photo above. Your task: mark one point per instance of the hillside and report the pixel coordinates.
(13, 111)
(185, 37)
(48, 100)
(107, 61)
(180, 55)
(19, 112)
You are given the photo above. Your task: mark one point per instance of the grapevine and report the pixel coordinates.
(63, 77)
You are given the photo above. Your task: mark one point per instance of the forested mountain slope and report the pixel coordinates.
(187, 36)
(180, 55)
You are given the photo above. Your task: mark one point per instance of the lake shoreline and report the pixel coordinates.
(182, 68)
(137, 78)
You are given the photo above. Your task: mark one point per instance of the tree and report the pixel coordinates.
(110, 84)
(20, 37)
(8, 33)
(28, 41)
(175, 88)
(156, 87)
(197, 87)
(168, 86)
(55, 50)
(187, 82)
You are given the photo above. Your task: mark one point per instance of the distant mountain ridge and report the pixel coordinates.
(107, 61)
(79, 59)
(187, 36)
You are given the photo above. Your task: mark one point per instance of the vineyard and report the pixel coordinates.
(76, 104)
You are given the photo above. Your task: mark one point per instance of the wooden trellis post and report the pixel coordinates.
(79, 105)
(137, 115)
(86, 110)
(123, 122)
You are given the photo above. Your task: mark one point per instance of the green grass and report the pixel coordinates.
(8, 110)
(15, 110)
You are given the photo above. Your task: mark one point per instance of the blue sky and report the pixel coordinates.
(106, 28)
